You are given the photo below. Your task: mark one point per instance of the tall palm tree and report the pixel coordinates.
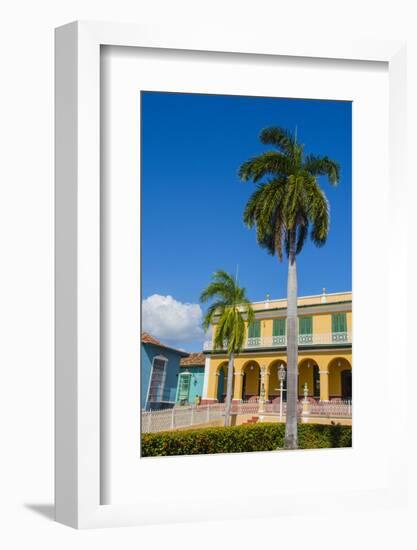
(286, 207)
(229, 308)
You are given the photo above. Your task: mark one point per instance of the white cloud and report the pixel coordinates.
(168, 319)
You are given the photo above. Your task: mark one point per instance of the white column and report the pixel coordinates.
(206, 377)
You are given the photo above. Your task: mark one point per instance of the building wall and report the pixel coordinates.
(333, 298)
(197, 381)
(322, 323)
(322, 319)
(329, 355)
(148, 352)
(329, 362)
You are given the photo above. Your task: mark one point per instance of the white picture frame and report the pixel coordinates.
(78, 404)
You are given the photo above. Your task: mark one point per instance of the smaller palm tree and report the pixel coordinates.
(229, 309)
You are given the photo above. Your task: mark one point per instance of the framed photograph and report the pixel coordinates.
(226, 324)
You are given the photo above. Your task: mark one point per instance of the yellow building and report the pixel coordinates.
(324, 351)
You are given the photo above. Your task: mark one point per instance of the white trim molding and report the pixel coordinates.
(165, 361)
(206, 377)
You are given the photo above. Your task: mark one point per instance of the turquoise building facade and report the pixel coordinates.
(190, 379)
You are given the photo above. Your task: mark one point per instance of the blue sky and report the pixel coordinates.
(192, 202)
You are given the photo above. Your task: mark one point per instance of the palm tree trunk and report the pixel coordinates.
(291, 436)
(229, 392)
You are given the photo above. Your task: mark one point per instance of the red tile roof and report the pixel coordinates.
(193, 359)
(147, 338)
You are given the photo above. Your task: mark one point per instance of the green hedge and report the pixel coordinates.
(238, 439)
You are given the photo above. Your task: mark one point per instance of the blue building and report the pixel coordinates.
(160, 369)
(191, 379)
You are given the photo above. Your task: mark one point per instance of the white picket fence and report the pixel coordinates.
(186, 416)
(180, 417)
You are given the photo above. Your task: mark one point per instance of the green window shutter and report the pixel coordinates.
(335, 323)
(184, 387)
(306, 325)
(339, 327)
(278, 327)
(305, 330)
(339, 322)
(254, 330)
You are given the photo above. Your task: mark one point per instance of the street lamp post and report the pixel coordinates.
(281, 377)
(305, 405)
(262, 390)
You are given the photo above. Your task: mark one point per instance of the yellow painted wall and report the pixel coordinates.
(349, 320)
(322, 324)
(252, 380)
(322, 358)
(335, 387)
(274, 383)
(273, 388)
(325, 360)
(266, 327)
(305, 375)
(329, 374)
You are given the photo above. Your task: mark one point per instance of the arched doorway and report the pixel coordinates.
(340, 379)
(308, 373)
(274, 383)
(221, 382)
(251, 383)
(346, 382)
(316, 382)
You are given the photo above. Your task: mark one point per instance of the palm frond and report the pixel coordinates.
(228, 309)
(222, 285)
(292, 202)
(280, 137)
(269, 163)
(249, 214)
(248, 310)
(287, 243)
(215, 310)
(222, 275)
(279, 233)
(215, 289)
(323, 166)
(319, 215)
(264, 210)
(302, 234)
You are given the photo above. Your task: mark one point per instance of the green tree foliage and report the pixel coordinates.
(289, 198)
(229, 308)
(243, 439)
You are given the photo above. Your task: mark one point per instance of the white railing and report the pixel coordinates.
(331, 408)
(325, 339)
(187, 416)
(180, 417)
(326, 409)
